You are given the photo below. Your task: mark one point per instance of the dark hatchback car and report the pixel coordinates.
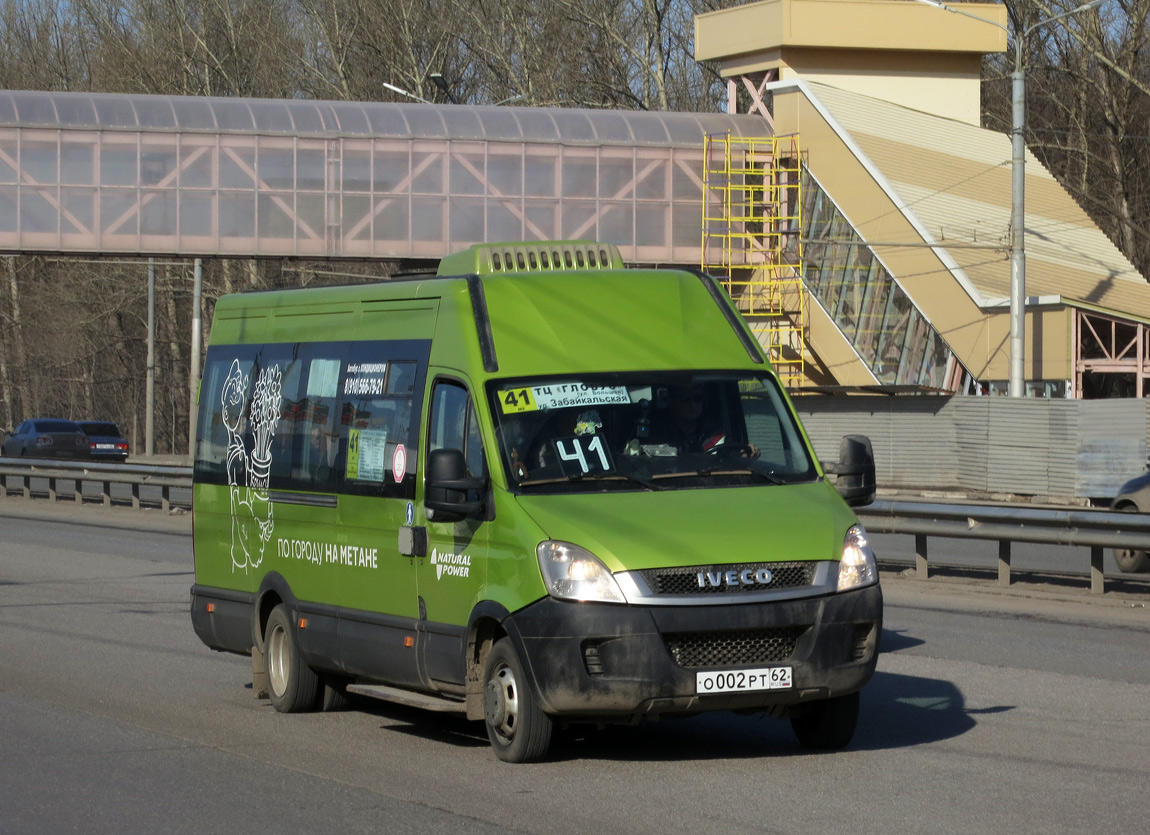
(47, 438)
(106, 440)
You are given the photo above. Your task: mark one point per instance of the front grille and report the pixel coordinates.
(685, 580)
(742, 647)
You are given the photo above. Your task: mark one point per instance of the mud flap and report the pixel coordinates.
(259, 674)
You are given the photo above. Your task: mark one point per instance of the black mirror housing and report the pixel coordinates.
(855, 471)
(446, 487)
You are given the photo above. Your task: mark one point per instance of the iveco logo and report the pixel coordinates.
(747, 577)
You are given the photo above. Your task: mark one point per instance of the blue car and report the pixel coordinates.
(1133, 497)
(47, 438)
(106, 440)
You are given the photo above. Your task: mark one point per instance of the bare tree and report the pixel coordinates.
(354, 47)
(45, 47)
(1088, 109)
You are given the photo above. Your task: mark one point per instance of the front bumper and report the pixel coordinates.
(627, 662)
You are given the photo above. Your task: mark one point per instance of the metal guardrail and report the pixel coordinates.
(21, 472)
(1095, 529)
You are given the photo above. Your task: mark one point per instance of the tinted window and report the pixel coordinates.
(327, 417)
(56, 426)
(92, 427)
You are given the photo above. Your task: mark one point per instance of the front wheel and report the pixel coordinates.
(293, 686)
(828, 724)
(519, 730)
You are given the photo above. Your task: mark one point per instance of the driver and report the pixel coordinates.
(689, 429)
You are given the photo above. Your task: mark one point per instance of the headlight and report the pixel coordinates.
(858, 566)
(574, 573)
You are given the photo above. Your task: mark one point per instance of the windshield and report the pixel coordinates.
(646, 431)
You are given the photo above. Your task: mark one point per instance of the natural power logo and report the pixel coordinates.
(453, 565)
(248, 470)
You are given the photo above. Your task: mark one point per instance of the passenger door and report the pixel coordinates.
(452, 574)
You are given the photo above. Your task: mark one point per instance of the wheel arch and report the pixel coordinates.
(273, 591)
(485, 626)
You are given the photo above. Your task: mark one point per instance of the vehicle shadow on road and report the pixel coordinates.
(898, 711)
(894, 640)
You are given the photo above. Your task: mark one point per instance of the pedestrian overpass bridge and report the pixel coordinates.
(167, 175)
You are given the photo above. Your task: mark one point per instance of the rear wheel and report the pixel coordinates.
(1131, 561)
(519, 730)
(292, 686)
(828, 724)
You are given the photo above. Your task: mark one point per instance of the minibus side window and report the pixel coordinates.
(212, 439)
(376, 420)
(314, 416)
(454, 425)
(314, 437)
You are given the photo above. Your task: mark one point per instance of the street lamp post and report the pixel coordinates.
(403, 92)
(441, 84)
(1017, 187)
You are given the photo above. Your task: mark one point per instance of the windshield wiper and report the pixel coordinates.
(615, 476)
(577, 477)
(725, 469)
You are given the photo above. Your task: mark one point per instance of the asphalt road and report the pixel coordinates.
(1020, 710)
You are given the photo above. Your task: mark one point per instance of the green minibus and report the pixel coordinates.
(536, 489)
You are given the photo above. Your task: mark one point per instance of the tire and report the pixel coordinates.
(520, 732)
(292, 686)
(829, 724)
(1129, 561)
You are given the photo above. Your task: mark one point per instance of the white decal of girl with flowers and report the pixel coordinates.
(248, 471)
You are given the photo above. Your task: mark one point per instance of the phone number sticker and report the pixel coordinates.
(560, 396)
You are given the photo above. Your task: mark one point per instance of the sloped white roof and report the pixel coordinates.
(952, 180)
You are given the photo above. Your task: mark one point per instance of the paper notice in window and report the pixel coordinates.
(370, 460)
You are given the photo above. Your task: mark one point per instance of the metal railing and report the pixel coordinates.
(1006, 524)
(19, 474)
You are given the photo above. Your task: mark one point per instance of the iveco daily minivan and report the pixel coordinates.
(535, 489)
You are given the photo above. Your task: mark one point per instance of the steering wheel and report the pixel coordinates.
(731, 452)
(725, 452)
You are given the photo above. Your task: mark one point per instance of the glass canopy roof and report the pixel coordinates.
(112, 111)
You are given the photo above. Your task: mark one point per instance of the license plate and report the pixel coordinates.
(743, 681)
(105, 446)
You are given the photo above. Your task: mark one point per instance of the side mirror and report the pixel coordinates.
(855, 480)
(445, 490)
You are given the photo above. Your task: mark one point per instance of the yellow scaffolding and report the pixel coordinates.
(752, 206)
